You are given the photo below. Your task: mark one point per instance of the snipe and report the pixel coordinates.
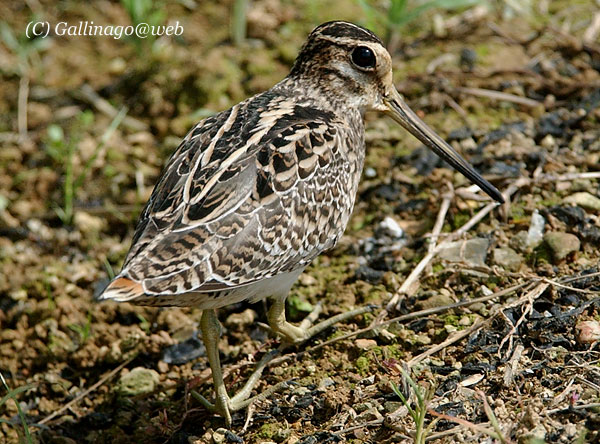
(255, 193)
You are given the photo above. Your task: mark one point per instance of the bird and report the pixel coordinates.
(255, 193)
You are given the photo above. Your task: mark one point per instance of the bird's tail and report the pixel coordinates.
(123, 289)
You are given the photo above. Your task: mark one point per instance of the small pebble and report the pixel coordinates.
(242, 319)
(390, 227)
(162, 366)
(588, 332)
(535, 233)
(392, 406)
(138, 381)
(548, 142)
(464, 321)
(326, 382)
(365, 344)
(437, 300)
(562, 244)
(301, 390)
(472, 251)
(88, 224)
(507, 258)
(370, 172)
(519, 241)
(584, 200)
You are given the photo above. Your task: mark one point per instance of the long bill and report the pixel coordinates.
(398, 110)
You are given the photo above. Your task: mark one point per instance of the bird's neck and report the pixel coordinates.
(327, 93)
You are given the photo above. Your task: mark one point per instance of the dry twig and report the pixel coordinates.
(529, 297)
(497, 95)
(22, 105)
(86, 392)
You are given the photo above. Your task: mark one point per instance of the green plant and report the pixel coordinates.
(144, 324)
(238, 21)
(417, 409)
(109, 269)
(401, 13)
(62, 150)
(12, 394)
(84, 331)
(27, 51)
(147, 12)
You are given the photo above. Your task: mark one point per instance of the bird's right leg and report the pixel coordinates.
(297, 334)
(211, 331)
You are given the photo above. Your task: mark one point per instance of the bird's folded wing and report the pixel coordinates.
(231, 208)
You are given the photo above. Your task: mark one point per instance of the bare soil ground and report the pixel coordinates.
(498, 331)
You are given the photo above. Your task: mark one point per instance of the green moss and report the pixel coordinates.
(362, 221)
(362, 364)
(298, 306)
(450, 319)
(482, 50)
(460, 219)
(370, 294)
(518, 214)
(437, 267)
(268, 430)
(393, 351)
(550, 202)
(540, 255)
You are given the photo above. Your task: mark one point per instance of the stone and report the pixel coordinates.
(365, 344)
(472, 252)
(391, 228)
(392, 406)
(588, 332)
(507, 258)
(38, 114)
(326, 382)
(537, 434)
(519, 241)
(368, 415)
(584, 200)
(561, 244)
(138, 381)
(242, 319)
(370, 172)
(535, 233)
(437, 300)
(185, 351)
(88, 224)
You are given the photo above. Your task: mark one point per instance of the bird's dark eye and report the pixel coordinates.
(363, 57)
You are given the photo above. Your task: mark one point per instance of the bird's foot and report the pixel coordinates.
(224, 405)
(298, 334)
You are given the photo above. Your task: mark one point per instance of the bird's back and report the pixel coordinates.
(252, 193)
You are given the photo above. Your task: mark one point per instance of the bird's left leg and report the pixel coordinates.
(298, 334)
(224, 405)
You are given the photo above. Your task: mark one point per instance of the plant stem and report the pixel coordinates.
(68, 188)
(238, 22)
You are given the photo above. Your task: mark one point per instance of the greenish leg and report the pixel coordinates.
(211, 330)
(297, 335)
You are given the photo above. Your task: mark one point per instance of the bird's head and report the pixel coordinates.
(351, 63)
